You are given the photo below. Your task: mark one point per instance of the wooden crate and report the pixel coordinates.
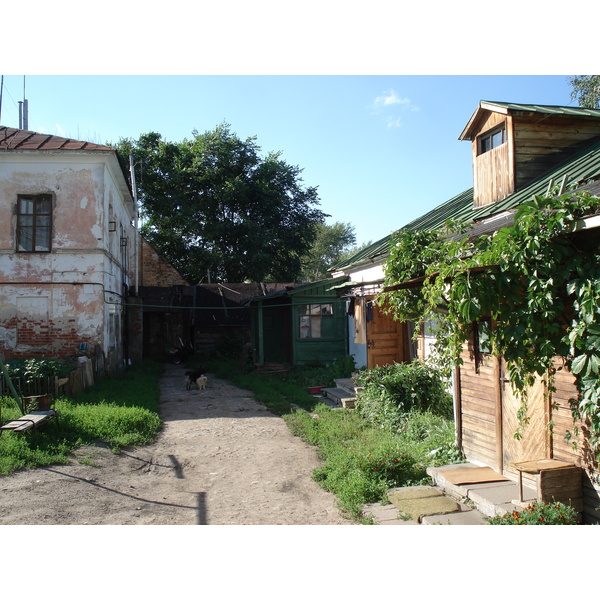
(561, 485)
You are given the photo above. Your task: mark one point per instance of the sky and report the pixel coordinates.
(381, 149)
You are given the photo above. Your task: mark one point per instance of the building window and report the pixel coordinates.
(492, 139)
(316, 320)
(482, 342)
(34, 223)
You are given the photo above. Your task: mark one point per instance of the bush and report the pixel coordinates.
(393, 390)
(539, 513)
(32, 368)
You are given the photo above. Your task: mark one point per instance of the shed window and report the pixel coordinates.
(315, 320)
(492, 139)
(482, 343)
(34, 223)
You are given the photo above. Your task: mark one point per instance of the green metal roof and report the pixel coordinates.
(511, 107)
(549, 109)
(327, 284)
(459, 207)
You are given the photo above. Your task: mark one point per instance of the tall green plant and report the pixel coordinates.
(534, 278)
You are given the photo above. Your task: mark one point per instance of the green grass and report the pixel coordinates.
(119, 411)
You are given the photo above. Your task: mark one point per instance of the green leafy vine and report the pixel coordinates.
(537, 278)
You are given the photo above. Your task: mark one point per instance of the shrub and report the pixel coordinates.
(391, 390)
(539, 513)
(32, 368)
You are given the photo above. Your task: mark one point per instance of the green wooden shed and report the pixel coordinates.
(302, 325)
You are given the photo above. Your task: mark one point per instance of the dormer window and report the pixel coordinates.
(492, 139)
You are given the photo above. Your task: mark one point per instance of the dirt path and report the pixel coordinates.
(221, 459)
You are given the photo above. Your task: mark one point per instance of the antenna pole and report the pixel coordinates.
(25, 108)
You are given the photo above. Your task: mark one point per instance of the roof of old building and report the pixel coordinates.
(19, 139)
(12, 139)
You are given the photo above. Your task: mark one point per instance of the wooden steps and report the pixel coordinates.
(344, 392)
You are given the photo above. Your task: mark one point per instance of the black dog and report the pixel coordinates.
(192, 376)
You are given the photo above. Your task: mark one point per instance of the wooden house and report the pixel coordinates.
(518, 151)
(301, 325)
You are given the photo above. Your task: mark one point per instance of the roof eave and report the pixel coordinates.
(483, 106)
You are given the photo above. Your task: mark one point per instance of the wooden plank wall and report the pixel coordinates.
(488, 186)
(541, 142)
(478, 402)
(494, 177)
(562, 419)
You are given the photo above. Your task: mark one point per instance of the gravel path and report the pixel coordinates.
(220, 459)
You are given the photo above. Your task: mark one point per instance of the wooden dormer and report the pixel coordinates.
(514, 144)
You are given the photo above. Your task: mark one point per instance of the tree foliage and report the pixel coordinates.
(586, 90)
(212, 206)
(331, 242)
(538, 281)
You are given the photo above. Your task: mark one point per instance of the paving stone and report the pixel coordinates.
(469, 517)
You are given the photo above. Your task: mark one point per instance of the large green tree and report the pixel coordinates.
(214, 208)
(586, 90)
(331, 244)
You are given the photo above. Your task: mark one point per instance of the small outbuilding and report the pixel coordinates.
(301, 325)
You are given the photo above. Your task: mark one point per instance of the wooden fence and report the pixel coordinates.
(83, 376)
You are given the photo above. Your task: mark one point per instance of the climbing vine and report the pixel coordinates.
(537, 278)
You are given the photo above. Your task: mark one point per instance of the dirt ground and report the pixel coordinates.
(220, 459)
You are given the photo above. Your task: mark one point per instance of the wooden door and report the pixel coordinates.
(534, 443)
(387, 339)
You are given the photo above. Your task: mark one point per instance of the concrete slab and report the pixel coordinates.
(386, 514)
(500, 494)
(469, 517)
(415, 491)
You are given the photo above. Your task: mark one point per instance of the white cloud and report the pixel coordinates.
(390, 98)
(394, 122)
(390, 103)
(59, 130)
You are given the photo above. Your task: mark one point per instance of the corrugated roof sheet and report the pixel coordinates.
(459, 207)
(511, 107)
(581, 169)
(19, 139)
(549, 109)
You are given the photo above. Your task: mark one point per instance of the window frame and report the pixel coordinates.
(35, 228)
(489, 135)
(309, 316)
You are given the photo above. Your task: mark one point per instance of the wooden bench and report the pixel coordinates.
(32, 420)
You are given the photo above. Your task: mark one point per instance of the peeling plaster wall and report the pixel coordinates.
(52, 302)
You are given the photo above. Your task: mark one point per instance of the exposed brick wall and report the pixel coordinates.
(43, 339)
(155, 270)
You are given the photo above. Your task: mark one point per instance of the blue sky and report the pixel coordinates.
(382, 150)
